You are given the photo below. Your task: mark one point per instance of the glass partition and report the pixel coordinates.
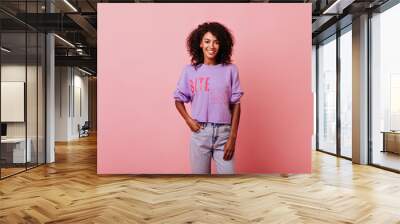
(13, 110)
(22, 63)
(32, 96)
(327, 95)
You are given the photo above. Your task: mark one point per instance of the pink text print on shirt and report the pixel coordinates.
(199, 84)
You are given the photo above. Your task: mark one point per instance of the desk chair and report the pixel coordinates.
(84, 130)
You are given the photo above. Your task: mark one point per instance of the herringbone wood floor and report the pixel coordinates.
(69, 191)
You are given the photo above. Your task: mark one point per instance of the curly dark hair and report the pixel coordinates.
(222, 34)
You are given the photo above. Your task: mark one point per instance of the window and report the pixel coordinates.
(327, 95)
(385, 88)
(346, 92)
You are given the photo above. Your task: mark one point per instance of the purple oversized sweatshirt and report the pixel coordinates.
(210, 89)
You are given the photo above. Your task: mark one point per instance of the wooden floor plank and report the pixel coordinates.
(70, 191)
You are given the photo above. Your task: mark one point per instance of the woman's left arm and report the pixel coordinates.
(229, 148)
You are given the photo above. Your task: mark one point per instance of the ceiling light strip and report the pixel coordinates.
(5, 49)
(70, 5)
(64, 40)
(326, 11)
(86, 72)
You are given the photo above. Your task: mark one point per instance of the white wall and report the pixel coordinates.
(12, 73)
(33, 127)
(62, 81)
(15, 72)
(81, 102)
(71, 94)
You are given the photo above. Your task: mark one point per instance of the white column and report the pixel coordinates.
(50, 92)
(360, 90)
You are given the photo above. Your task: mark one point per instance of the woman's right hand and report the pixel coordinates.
(193, 125)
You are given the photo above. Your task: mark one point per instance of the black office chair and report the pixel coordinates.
(84, 130)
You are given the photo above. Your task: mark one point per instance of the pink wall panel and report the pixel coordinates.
(141, 51)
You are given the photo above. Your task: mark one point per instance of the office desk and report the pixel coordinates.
(391, 141)
(13, 150)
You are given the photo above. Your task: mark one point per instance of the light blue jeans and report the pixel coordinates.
(209, 143)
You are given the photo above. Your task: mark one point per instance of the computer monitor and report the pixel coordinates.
(3, 129)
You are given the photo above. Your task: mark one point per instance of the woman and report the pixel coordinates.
(211, 84)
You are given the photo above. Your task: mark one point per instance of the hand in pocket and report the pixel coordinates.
(193, 125)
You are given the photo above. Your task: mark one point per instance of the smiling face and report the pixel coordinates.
(210, 46)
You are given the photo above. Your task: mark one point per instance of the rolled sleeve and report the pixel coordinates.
(237, 92)
(182, 92)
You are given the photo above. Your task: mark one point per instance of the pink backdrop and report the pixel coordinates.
(141, 51)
